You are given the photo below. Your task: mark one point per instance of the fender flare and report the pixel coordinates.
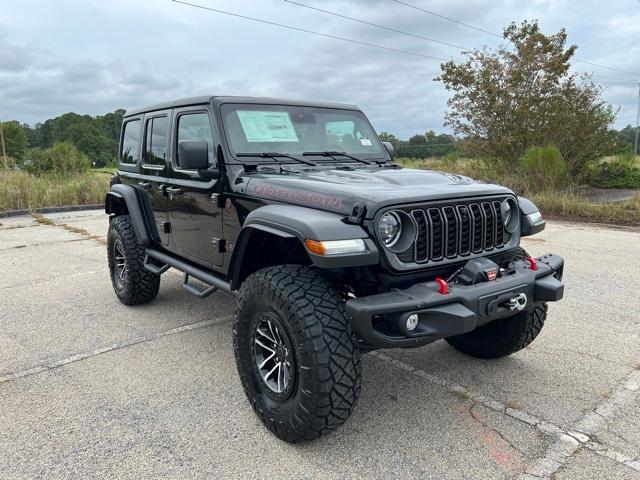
(122, 199)
(299, 224)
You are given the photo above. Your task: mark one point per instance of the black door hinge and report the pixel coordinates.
(218, 199)
(219, 244)
(166, 227)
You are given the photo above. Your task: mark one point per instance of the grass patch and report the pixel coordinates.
(22, 190)
(576, 207)
(515, 405)
(42, 220)
(566, 203)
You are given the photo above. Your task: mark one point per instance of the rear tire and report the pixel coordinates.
(291, 315)
(504, 336)
(133, 284)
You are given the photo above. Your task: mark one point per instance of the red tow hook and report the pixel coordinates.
(533, 263)
(443, 286)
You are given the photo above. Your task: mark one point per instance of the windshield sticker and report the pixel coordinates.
(365, 141)
(261, 126)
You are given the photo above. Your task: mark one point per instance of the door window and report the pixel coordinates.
(130, 151)
(196, 126)
(156, 141)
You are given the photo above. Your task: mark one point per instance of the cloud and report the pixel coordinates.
(94, 56)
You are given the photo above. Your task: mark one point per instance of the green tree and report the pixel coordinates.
(15, 139)
(91, 140)
(389, 137)
(89, 135)
(625, 138)
(44, 134)
(418, 140)
(523, 95)
(111, 123)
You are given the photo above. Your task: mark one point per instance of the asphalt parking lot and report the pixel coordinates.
(90, 388)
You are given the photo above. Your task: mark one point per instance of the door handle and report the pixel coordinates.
(144, 185)
(174, 191)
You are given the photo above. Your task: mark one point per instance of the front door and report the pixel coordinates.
(195, 217)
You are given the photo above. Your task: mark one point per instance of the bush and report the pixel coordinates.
(63, 158)
(452, 157)
(545, 166)
(621, 172)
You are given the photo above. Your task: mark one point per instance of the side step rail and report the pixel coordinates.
(195, 289)
(212, 282)
(153, 267)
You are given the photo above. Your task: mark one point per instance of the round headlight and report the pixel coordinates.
(507, 212)
(510, 217)
(389, 228)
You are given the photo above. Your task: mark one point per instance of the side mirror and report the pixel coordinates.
(193, 154)
(390, 150)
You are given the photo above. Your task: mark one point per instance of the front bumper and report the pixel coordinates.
(378, 319)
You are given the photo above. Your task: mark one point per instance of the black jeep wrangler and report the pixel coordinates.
(330, 248)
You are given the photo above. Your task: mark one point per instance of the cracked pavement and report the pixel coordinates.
(90, 388)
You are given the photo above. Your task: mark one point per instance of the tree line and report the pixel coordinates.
(94, 137)
(503, 103)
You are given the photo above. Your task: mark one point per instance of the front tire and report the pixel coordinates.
(504, 336)
(133, 284)
(292, 317)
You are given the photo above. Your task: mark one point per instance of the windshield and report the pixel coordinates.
(252, 128)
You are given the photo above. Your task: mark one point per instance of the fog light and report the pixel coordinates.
(412, 322)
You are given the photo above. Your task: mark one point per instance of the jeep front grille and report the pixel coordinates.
(455, 230)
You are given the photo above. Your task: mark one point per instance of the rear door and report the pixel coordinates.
(155, 155)
(139, 170)
(196, 218)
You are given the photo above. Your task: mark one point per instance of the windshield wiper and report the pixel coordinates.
(333, 155)
(276, 155)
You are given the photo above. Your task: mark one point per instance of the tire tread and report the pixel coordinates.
(330, 353)
(141, 285)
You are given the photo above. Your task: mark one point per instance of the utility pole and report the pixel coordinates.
(4, 151)
(635, 145)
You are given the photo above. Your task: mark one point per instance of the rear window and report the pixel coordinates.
(130, 151)
(156, 141)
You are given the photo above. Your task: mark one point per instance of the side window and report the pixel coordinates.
(196, 126)
(156, 141)
(130, 150)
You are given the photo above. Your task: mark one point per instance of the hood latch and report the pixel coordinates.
(357, 214)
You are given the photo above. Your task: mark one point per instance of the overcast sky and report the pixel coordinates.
(93, 56)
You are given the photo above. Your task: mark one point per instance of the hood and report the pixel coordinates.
(338, 190)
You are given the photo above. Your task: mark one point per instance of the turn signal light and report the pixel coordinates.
(335, 247)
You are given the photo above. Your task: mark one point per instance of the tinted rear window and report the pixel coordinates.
(156, 141)
(130, 151)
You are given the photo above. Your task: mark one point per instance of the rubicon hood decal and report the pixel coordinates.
(339, 190)
(263, 189)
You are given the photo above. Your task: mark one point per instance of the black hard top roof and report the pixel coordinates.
(204, 100)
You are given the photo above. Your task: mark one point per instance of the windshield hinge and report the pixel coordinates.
(357, 214)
